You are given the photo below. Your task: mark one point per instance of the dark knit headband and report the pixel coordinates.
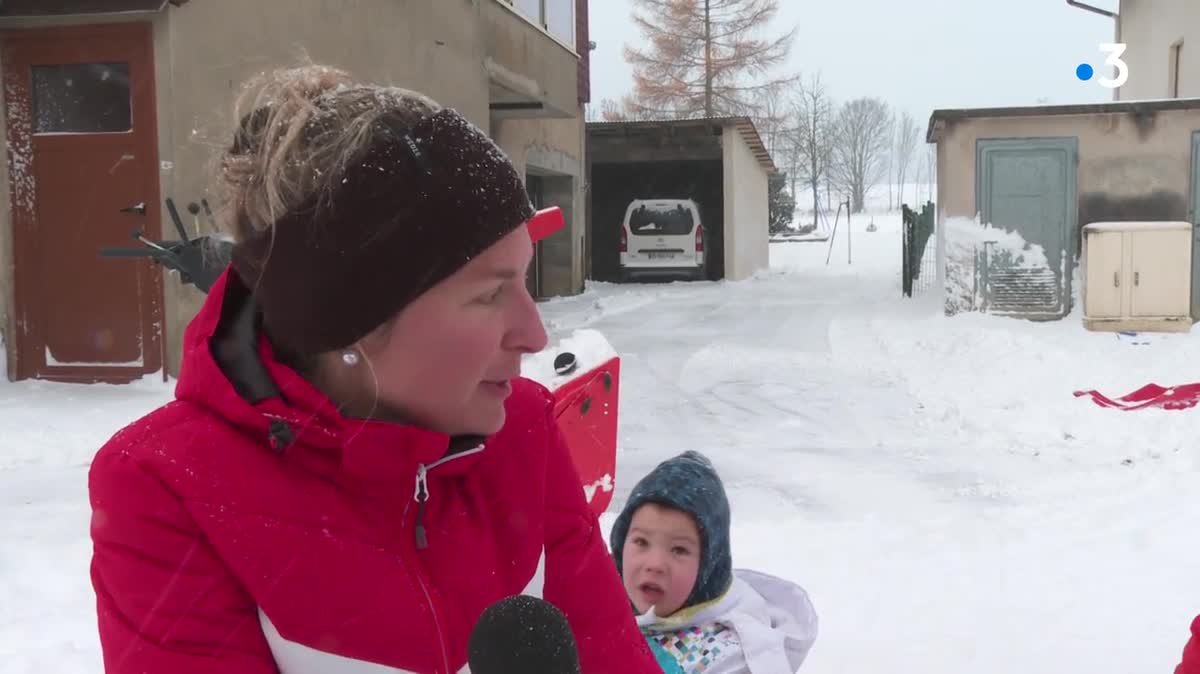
(416, 207)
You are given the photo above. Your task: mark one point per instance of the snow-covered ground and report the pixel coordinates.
(931, 481)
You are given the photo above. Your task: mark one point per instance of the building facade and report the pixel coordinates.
(113, 106)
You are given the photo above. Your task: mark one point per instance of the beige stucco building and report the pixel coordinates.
(113, 103)
(1046, 172)
(1162, 39)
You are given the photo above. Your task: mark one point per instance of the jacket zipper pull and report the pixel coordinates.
(421, 495)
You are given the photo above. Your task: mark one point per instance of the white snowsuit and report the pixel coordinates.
(761, 625)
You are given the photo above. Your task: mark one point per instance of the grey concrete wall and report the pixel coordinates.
(1149, 28)
(204, 56)
(747, 205)
(528, 62)
(205, 50)
(553, 148)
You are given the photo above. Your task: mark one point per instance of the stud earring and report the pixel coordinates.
(350, 357)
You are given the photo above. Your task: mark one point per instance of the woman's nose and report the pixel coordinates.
(528, 333)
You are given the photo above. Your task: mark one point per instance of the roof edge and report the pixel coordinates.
(744, 124)
(939, 118)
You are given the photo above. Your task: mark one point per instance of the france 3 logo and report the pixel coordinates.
(1084, 71)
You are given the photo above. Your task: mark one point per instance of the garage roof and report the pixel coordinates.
(939, 118)
(12, 8)
(743, 125)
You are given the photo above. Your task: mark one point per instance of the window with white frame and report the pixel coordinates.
(530, 8)
(560, 19)
(556, 16)
(1173, 70)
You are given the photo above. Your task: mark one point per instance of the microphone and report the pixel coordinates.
(522, 635)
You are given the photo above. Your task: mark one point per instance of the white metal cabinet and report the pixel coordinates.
(1104, 261)
(1138, 276)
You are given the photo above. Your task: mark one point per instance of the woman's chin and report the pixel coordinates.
(484, 417)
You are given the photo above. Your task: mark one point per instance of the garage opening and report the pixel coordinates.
(550, 271)
(615, 185)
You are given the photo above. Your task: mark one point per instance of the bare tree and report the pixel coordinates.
(627, 110)
(814, 137)
(771, 119)
(888, 163)
(860, 153)
(906, 147)
(605, 110)
(610, 110)
(889, 156)
(704, 57)
(918, 180)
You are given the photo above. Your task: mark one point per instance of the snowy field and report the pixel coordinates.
(932, 482)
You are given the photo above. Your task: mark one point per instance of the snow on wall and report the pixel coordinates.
(966, 237)
(20, 154)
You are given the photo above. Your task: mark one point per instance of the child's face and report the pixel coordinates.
(661, 559)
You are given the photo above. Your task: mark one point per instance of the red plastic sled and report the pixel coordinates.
(1152, 395)
(586, 406)
(586, 410)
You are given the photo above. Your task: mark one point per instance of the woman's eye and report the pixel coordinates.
(682, 552)
(492, 296)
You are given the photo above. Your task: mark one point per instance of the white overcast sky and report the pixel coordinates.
(918, 55)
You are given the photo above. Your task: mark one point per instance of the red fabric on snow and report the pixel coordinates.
(1191, 652)
(1151, 395)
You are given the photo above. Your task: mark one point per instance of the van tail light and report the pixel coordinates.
(624, 241)
(699, 238)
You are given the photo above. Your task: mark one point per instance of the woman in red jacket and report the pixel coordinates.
(352, 470)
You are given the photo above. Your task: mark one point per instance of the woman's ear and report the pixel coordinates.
(375, 341)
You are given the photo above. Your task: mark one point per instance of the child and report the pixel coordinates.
(671, 545)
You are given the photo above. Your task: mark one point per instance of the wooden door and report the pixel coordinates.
(80, 106)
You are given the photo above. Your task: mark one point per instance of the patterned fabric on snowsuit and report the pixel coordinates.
(699, 648)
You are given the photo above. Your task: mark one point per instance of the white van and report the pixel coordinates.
(662, 237)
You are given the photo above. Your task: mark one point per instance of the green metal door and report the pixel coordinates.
(1028, 186)
(1194, 216)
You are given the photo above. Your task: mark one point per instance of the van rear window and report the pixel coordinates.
(661, 221)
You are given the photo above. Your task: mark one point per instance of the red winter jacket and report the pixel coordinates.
(248, 528)
(1191, 652)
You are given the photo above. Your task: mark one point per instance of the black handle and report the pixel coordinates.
(139, 208)
(183, 235)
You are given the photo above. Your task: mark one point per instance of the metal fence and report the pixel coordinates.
(919, 264)
(1007, 286)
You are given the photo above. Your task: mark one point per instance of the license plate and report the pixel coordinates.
(659, 255)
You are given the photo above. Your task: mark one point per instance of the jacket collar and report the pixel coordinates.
(230, 368)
